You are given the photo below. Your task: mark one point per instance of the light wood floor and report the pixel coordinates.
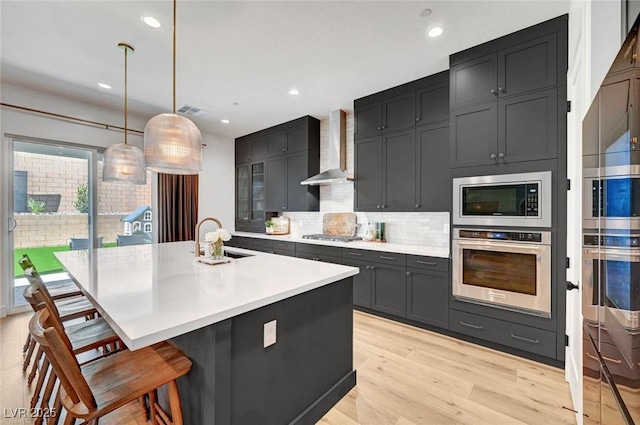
(406, 376)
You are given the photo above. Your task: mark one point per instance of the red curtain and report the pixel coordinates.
(178, 205)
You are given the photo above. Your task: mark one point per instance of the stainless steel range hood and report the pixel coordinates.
(337, 152)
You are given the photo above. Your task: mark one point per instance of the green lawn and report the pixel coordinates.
(42, 258)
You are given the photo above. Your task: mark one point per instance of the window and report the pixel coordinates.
(147, 227)
(137, 226)
(147, 217)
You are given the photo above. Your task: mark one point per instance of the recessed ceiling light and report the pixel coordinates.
(435, 32)
(151, 21)
(104, 86)
(224, 121)
(235, 104)
(294, 92)
(425, 13)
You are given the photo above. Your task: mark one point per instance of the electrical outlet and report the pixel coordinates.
(269, 333)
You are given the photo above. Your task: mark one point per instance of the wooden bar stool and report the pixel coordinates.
(84, 336)
(94, 389)
(59, 291)
(66, 308)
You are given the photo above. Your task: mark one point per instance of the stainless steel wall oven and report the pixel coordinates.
(505, 269)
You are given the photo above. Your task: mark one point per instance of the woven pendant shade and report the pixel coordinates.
(172, 145)
(124, 163)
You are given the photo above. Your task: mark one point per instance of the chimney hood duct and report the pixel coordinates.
(337, 152)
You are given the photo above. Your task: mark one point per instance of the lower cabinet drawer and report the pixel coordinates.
(288, 253)
(241, 242)
(291, 246)
(262, 243)
(319, 250)
(319, 257)
(522, 337)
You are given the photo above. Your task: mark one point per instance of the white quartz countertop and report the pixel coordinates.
(153, 292)
(424, 250)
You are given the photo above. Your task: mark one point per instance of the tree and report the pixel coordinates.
(82, 199)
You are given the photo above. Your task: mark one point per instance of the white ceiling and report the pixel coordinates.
(249, 52)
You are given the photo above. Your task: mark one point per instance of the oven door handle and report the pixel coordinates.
(504, 246)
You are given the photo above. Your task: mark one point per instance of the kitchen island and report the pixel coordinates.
(216, 315)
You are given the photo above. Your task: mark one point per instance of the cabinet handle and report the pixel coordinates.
(271, 252)
(356, 254)
(533, 341)
(379, 128)
(377, 206)
(373, 267)
(248, 157)
(384, 126)
(383, 206)
(417, 206)
(368, 267)
(501, 90)
(408, 273)
(616, 361)
(501, 155)
(493, 92)
(382, 257)
(427, 263)
(493, 156)
(417, 118)
(469, 325)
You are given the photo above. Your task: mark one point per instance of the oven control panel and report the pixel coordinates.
(621, 241)
(502, 236)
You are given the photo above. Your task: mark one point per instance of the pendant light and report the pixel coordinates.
(122, 162)
(172, 143)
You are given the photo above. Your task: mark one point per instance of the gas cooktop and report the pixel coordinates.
(333, 238)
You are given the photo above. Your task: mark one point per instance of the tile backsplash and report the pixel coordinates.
(430, 229)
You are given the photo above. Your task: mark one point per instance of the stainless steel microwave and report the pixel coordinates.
(522, 200)
(611, 198)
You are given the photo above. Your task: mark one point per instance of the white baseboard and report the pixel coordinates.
(3, 311)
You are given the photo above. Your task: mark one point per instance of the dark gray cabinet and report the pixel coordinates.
(433, 192)
(288, 153)
(385, 172)
(361, 283)
(276, 185)
(368, 176)
(398, 171)
(283, 188)
(428, 297)
(533, 340)
(395, 130)
(520, 128)
(432, 104)
(391, 114)
(505, 104)
(524, 67)
(287, 140)
(249, 149)
(389, 289)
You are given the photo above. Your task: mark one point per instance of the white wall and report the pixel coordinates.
(216, 182)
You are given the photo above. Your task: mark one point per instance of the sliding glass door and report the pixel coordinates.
(60, 203)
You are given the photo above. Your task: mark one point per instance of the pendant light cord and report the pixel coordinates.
(126, 54)
(175, 2)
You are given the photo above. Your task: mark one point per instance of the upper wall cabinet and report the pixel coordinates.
(508, 97)
(250, 148)
(405, 148)
(270, 165)
(524, 67)
(392, 114)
